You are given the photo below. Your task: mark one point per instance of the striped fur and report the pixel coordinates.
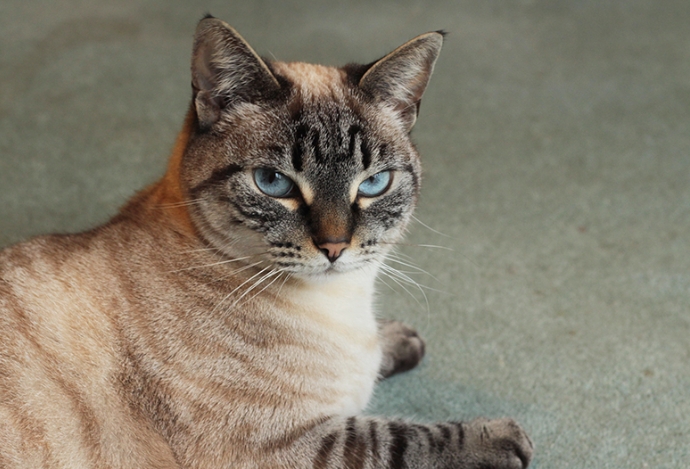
(203, 327)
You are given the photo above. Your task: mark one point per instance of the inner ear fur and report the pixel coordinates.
(401, 77)
(226, 71)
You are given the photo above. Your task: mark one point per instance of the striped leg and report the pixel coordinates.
(374, 443)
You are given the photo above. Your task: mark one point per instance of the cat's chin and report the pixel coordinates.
(335, 270)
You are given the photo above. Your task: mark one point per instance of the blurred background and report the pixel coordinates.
(549, 268)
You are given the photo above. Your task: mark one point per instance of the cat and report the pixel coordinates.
(223, 318)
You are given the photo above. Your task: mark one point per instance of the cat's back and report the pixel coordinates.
(50, 281)
(53, 335)
(59, 355)
(42, 285)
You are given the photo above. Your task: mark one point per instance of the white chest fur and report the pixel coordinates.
(337, 313)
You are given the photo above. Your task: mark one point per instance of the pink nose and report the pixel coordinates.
(332, 250)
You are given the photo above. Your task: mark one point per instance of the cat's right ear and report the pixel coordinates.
(225, 71)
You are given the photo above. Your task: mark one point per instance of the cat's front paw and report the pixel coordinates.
(497, 444)
(403, 349)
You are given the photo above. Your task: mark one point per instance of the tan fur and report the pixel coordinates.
(314, 81)
(83, 321)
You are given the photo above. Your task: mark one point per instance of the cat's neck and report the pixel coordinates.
(166, 199)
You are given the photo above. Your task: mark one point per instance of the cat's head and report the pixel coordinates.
(306, 168)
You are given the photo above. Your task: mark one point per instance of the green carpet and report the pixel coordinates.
(556, 143)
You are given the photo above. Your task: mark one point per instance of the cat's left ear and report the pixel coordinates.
(226, 71)
(401, 77)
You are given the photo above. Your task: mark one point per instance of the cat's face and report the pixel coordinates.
(312, 176)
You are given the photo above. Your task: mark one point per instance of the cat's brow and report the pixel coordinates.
(218, 176)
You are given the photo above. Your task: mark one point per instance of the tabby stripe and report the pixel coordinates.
(354, 447)
(32, 429)
(321, 460)
(352, 133)
(445, 437)
(374, 439)
(398, 445)
(297, 149)
(410, 169)
(366, 154)
(429, 436)
(316, 144)
(461, 435)
(253, 215)
(383, 152)
(218, 176)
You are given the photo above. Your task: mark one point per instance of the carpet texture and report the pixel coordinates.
(556, 144)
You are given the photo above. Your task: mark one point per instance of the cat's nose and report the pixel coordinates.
(332, 248)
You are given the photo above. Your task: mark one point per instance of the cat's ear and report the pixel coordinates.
(401, 77)
(225, 71)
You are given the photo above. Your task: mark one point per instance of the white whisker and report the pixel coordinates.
(280, 289)
(185, 203)
(402, 275)
(276, 274)
(392, 257)
(256, 284)
(394, 275)
(240, 285)
(400, 278)
(228, 261)
(429, 228)
(432, 246)
(380, 279)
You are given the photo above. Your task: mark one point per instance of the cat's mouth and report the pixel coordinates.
(319, 269)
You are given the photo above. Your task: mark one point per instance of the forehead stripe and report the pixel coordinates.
(298, 147)
(316, 145)
(366, 155)
(352, 132)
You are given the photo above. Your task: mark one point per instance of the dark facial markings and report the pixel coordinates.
(218, 176)
(328, 134)
(330, 147)
(316, 146)
(298, 147)
(353, 132)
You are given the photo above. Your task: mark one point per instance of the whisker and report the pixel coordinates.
(274, 273)
(185, 203)
(280, 289)
(255, 284)
(235, 272)
(410, 281)
(204, 249)
(402, 255)
(432, 246)
(429, 228)
(386, 284)
(398, 278)
(391, 275)
(228, 261)
(392, 257)
(240, 285)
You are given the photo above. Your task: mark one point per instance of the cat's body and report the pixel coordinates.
(224, 318)
(79, 345)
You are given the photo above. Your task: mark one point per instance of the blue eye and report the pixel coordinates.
(376, 184)
(273, 183)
